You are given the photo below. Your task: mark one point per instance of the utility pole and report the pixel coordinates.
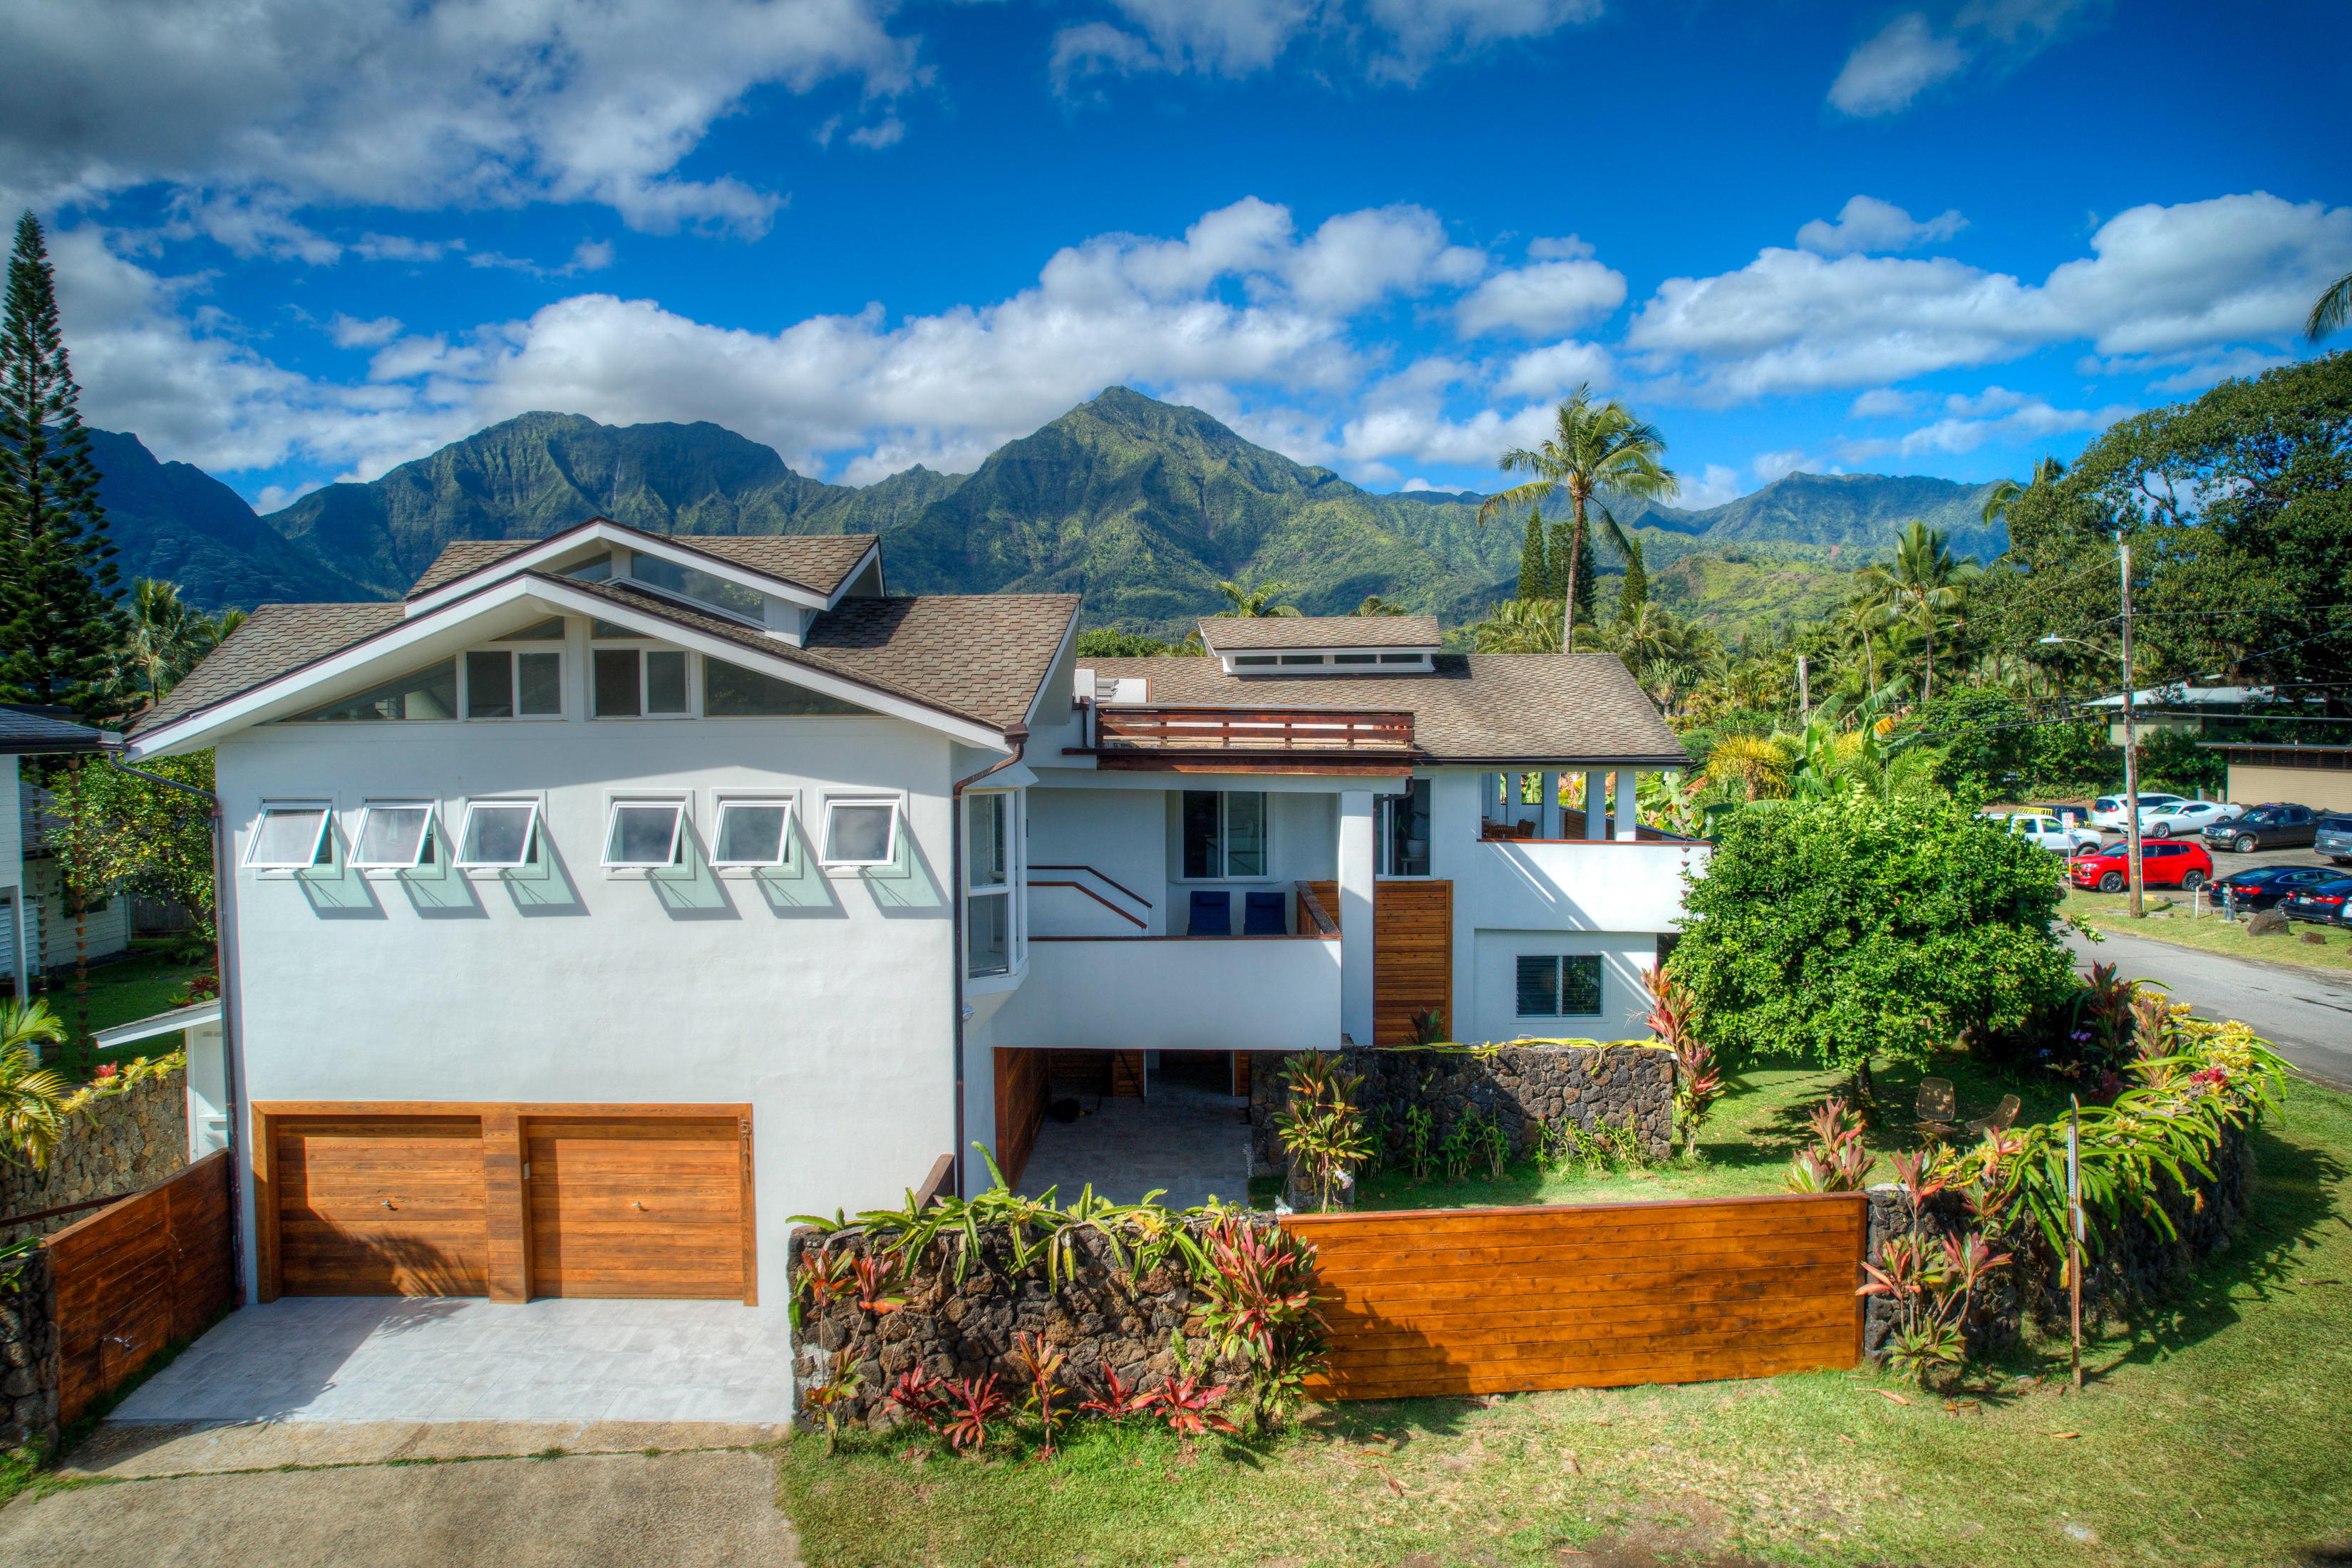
(1804, 691)
(2131, 744)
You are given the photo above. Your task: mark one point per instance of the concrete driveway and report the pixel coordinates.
(369, 1358)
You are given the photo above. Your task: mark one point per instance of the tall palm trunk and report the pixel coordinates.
(1927, 685)
(1576, 495)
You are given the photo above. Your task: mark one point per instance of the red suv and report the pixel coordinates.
(2173, 864)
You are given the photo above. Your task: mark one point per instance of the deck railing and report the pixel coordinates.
(1252, 730)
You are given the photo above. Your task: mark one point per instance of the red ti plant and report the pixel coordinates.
(1191, 1409)
(971, 1403)
(1039, 1364)
(1697, 1084)
(1930, 1283)
(1119, 1399)
(1260, 1285)
(875, 1276)
(825, 1276)
(843, 1383)
(918, 1393)
(1837, 1163)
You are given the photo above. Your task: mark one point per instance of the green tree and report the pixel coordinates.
(2172, 759)
(1535, 563)
(1248, 604)
(1593, 447)
(163, 640)
(1518, 625)
(1109, 642)
(1636, 591)
(2329, 311)
(1374, 604)
(1919, 588)
(2003, 495)
(1862, 927)
(1583, 578)
(58, 619)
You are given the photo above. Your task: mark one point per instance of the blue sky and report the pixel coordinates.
(306, 239)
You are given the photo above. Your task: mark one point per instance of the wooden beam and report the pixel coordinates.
(506, 1205)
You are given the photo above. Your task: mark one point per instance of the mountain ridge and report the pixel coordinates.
(1139, 505)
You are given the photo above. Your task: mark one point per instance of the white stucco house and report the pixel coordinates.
(616, 897)
(36, 931)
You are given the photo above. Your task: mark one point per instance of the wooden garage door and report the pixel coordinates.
(648, 1207)
(380, 1205)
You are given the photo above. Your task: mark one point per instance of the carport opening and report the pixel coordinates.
(1173, 1120)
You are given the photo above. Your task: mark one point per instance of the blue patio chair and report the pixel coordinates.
(1212, 913)
(1263, 914)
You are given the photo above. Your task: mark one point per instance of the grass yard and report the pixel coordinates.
(1743, 1149)
(2212, 1432)
(140, 986)
(2180, 926)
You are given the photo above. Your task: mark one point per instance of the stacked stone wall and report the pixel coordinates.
(122, 1144)
(29, 1355)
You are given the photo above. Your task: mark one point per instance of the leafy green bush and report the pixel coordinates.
(1860, 927)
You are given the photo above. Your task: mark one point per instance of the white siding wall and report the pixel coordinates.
(1122, 833)
(822, 1000)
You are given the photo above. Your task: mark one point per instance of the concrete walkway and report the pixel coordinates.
(369, 1358)
(1188, 1140)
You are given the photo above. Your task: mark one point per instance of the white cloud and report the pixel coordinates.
(1770, 466)
(1541, 300)
(1712, 486)
(1550, 373)
(1905, 58)
(1994, 415)
(889, 133)
(1383, 40)
(1883, 402)
(2236, 364)
(350, 333)
(2161, 281)
(269, 106)
(1360, 256)
(1886, 74)
(1866, 224)
(588, 255)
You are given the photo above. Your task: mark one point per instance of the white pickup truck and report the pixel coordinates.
(2049, 833)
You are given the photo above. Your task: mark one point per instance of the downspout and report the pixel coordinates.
(1019, 735)
(223, 975)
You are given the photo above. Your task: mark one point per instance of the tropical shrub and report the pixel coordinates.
(1697, 1086)
(1835, 1161)
(1861, 926)
(1321, 1126)
(1260, 1285)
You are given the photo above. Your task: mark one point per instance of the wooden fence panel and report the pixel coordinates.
(1413, 957)
(138, 1274)
(1504, 1300)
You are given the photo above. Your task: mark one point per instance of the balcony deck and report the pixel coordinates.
(1250, 740)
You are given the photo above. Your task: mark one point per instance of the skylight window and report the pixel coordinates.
(701, 588)
(393, 835)
(861, 832)
(289, 838)
(753, 833)
(497, 835)
(643, 834)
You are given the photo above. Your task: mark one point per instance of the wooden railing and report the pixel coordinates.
(1252, 730)
(1127, 915)
(1311, 912)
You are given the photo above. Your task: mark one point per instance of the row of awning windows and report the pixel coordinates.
(646, 833)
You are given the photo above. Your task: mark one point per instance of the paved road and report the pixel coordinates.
(2308, 1018)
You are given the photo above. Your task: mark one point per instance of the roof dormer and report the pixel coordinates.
(1323, 645)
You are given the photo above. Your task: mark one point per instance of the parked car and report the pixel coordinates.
(2071, 813)
(2322, 903)
(2332, 837)
(2187, 818)
(2173, 864)
(2261, 887)
(2107, 811)
(2272, 827)
(2052, 834)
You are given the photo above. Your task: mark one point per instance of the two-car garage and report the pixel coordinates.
(506, 1201)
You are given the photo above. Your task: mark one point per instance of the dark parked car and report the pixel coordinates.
(2174, 865)
(2327, 903)
(2334, 837)
(2261, 887)
(2273, 826)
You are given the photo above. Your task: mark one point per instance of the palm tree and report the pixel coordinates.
(1757, 764)
(31, 1119)
(1252, 604)
(2002, 496)
(163, 641)
(1518, 625)
(2328, 315)
(1374, 604)
(1593, 446)
(1858, 627)
(1922, 581)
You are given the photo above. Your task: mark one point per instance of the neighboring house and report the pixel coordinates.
(618, 896)
(34, 934)
(2317, 777)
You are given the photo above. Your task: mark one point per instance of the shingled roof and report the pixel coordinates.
(980, 657)
(1227, 633)
(29, 729)
(817, 561)
(1474, 708)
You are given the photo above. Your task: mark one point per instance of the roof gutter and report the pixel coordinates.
(1019, 735)
(224, 976)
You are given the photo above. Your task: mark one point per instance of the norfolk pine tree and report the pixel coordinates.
(1535, 565)
(1636, 591)
(57, 618)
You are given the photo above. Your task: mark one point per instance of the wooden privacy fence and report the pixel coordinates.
(1502, 1300)
(133, 1276)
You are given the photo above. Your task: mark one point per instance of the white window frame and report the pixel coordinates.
(1224, 845)
(719, 805)
(1015, 953)
(513, 652)
(326, 809)
(432, 810)
(641, 647)
(897, 805)
(682, 806)
(464, 831)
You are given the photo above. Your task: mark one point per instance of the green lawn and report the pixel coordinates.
(1742, 1150)
(140, 986)
(2212, 1431)
(2178, 924)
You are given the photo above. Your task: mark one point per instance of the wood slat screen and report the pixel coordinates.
(1413, 957)
(1499, 1301)
(1021, 1095)
(133, 1276)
